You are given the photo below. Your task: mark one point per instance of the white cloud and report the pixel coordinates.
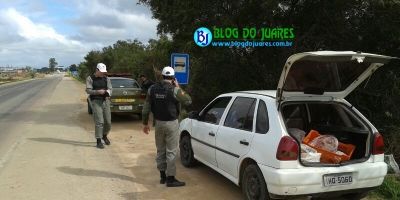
(24, 42)
(110, 21)
(31, 33)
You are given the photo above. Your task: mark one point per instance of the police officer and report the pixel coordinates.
(163, 100)
(98, 86)
(146, 83)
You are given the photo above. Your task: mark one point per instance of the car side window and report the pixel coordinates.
(241, 113)
(213, 113)
(262, 122)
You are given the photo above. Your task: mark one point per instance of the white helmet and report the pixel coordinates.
(168, 71)
(101, 67)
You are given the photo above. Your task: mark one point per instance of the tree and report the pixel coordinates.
(73, 67)
(358, 25)
(52, 64)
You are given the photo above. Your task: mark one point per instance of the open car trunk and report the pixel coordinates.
(309, 91)
(332, 119)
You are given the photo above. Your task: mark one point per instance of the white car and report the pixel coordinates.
(251, 137)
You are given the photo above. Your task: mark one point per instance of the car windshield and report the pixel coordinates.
(326, 76)
(124, 83)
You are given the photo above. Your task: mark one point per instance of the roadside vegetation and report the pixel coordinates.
(18, 75)
(357, 25)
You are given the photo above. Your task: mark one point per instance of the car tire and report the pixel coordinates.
(186, 152)
(89, 109)
(355, 196)
(253, 184)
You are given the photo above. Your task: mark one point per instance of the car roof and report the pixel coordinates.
(269, 93)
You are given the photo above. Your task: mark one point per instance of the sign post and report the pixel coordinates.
(180, 63)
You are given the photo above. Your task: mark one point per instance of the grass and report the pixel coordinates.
(390, 189)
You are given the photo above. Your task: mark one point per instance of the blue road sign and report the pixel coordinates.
(180, 63)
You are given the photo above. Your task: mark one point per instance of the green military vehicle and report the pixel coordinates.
(127, 96)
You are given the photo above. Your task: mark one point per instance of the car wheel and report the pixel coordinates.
(355, 196)
(89, 108)
(186, 152)
(253, 184)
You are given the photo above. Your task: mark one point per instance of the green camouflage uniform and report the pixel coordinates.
(166, 134)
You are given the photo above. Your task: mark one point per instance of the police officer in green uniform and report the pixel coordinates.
(163, 100)
(98, 86)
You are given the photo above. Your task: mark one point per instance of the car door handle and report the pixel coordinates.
(211, 134)
(244, 142)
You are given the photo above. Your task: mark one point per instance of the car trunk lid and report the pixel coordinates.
(326, 75)
(127, 95)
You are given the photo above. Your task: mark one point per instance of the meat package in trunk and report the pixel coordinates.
(333, 119)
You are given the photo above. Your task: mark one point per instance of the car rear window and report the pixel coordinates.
(328, 76)
(124, 83)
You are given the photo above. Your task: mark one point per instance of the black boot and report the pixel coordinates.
(172, 182)
(106, 141)
(99, 144)
(163, 177)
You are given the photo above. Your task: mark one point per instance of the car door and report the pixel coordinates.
(235, 135)
(204, 130)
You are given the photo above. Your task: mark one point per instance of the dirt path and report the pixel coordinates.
(136, 152)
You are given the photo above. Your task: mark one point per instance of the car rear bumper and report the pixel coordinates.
(309, 180)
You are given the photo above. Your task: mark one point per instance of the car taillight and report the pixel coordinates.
(143, 96)
(288, 149)
(379, 146)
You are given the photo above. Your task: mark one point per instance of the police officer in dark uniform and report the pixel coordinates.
(146, 83)
(163, 100)
(98, 86)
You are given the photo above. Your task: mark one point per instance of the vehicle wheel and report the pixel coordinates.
(186, 151)
(89, 109)
(355, 196)
(253, 184)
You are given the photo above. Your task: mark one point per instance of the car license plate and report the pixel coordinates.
(338, 179)
(123, 100)
(125, 107)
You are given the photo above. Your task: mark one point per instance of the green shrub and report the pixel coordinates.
(390, 188)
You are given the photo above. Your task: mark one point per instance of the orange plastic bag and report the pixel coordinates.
(330, 157)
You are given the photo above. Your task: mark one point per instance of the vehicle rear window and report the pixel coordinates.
(241, 114)
(124, 83)
(323, 76)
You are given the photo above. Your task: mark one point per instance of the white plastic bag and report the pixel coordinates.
(308, 154)
(298, 134)
(326, 142)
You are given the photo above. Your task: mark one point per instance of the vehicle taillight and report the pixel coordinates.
(288, 149)
(379, 146)
(143, 96)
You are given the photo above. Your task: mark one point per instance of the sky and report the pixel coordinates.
(32, 31)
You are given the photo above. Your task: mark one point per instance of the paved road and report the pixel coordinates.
(46, 154)
(16, 101)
